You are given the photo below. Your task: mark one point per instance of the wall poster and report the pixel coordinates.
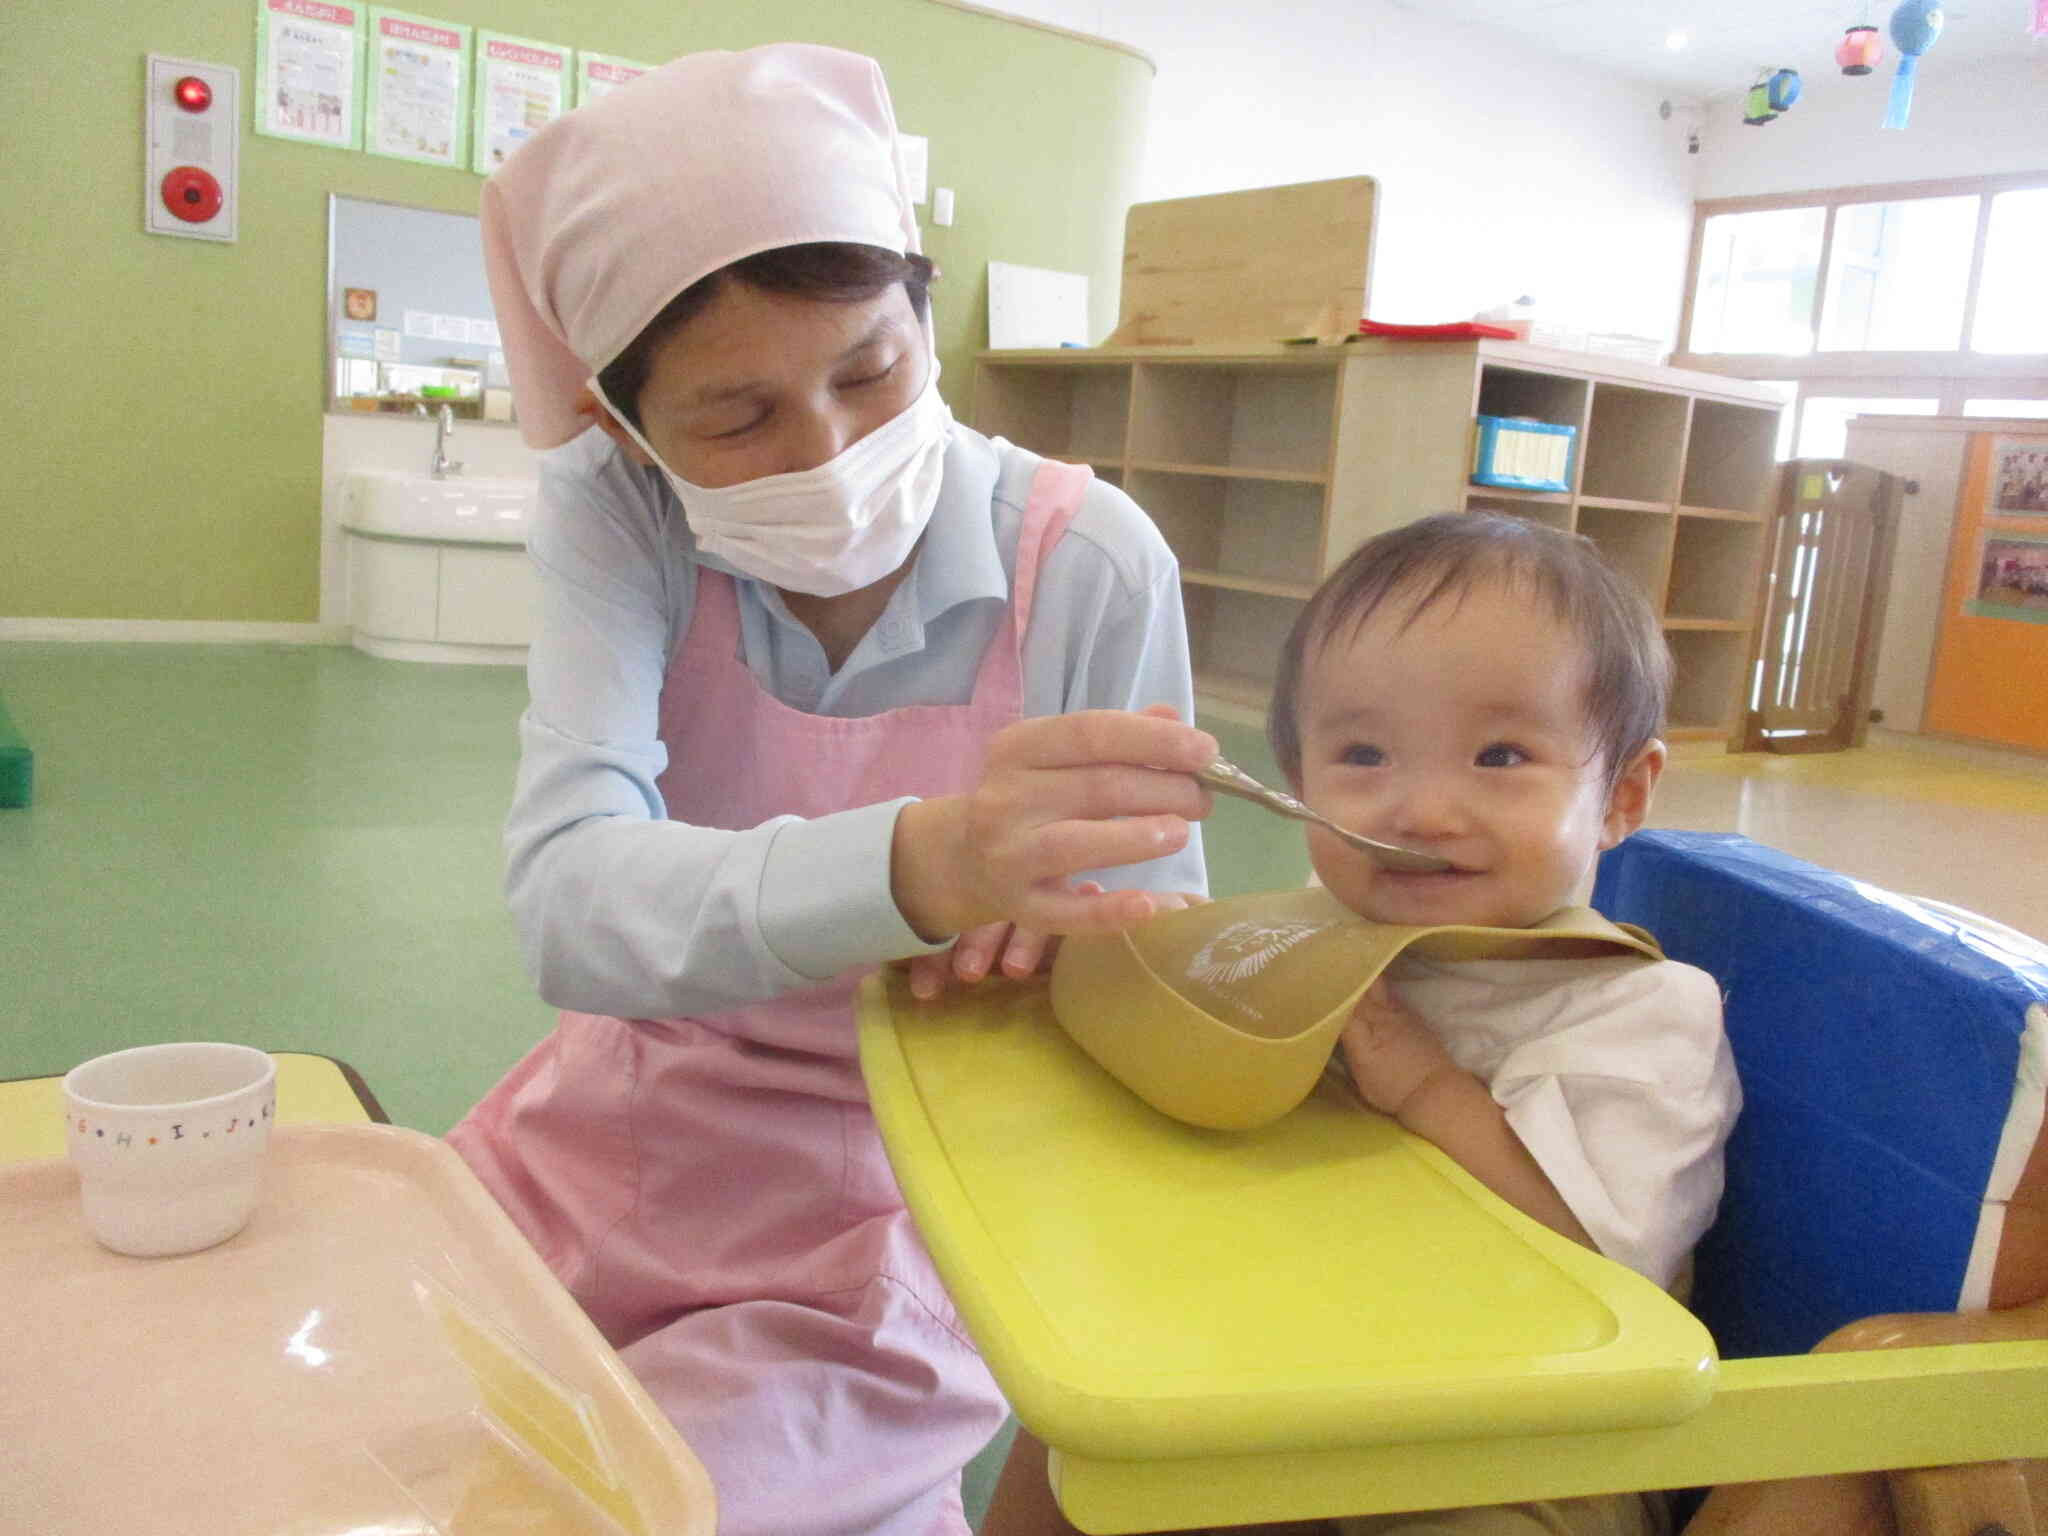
(598, 74)
(2019, 479)
(2012, 577)
(521, 87)
(309, 72)
(417, 101)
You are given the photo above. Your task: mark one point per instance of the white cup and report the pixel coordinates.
(170, 1142)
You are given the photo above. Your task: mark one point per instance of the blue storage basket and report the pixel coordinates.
(1522, 454)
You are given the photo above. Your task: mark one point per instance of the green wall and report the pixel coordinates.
(163, 396)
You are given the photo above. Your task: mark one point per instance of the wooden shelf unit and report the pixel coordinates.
(1265, 465)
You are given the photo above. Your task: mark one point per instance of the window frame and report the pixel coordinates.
(1952, 375)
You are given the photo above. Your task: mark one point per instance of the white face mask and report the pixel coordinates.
(833, 529)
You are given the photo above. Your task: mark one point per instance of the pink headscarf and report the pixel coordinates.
(611, 211)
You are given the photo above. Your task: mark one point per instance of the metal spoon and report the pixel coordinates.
(1233, 780)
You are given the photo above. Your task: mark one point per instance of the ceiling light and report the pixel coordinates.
(1676, 41)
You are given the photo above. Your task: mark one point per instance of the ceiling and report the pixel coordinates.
(1729, 40)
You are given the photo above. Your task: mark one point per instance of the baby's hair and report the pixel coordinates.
(1423, 563)
(833, 270)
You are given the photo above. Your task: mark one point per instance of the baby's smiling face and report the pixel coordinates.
(1463, 732)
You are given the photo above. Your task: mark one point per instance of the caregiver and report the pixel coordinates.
(822, 680)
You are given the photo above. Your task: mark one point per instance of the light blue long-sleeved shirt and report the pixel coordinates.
(624, 912)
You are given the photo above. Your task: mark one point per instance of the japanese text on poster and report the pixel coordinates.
(417, 98)
(521, 87)
(308, 70)
(599, 74)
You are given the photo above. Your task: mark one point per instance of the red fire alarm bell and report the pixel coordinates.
(191, 128)
(192, 194)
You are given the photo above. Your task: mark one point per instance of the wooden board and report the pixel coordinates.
(1271, 264)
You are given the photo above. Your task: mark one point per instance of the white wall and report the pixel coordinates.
(1975, 121)
(1500, 174)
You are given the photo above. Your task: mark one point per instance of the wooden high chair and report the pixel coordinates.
(1327, 1317)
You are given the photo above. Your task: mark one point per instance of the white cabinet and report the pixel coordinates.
(487, 597)
(393, 589)
(415, 601)
(1265, 466)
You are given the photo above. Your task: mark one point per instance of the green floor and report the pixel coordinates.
(298, 847)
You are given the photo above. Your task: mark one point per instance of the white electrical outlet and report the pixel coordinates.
(191, 132)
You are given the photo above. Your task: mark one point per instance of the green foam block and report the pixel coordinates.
(17, 764)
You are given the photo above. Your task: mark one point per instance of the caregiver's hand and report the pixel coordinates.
(974, 955)
(1058, 794)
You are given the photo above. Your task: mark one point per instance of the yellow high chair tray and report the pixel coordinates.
(1326, 1316)
(1146, 1288)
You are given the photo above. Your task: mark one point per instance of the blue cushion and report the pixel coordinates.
(1877, 1047)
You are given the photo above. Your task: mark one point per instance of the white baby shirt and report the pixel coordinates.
(1615, 1073)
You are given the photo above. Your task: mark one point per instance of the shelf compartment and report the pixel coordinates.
(1279, 417)
(1709, 665)
(1225, 472)
(1550, 397)
(1265, 532)
(1299, 591)
(1725, 514)
(1235, 638)
(1625, 504)
(1633, 444)
(1080, 411)
(1635, 541)
(1552, 509)
(1713, 568)
(1728, 457)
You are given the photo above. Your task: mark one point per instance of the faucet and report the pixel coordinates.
(444, 428)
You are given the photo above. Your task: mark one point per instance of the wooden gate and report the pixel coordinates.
(1828, 565)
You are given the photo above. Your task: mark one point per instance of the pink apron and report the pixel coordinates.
(714, 1191)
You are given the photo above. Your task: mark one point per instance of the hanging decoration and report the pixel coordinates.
(1861, 47)
(1772, 95)
(1914, 27)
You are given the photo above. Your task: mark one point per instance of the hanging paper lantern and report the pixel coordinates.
(1773, 93)
(1914, 27)
(1756, 106)
(1861, 48)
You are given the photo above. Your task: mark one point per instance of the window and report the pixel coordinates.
(2011, 314)
(1756, 283)
(1917, 297)
(1824, 420)
(1898, 275)
(2032, 409)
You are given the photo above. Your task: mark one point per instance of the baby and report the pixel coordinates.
(1486, 689)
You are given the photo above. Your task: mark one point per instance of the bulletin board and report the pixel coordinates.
(1991, 653)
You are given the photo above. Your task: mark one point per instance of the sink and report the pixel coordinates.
(437, 569)
(460, 509)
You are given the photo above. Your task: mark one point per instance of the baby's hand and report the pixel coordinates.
(1390, 1051)
(978, 953)
(1015, 952)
